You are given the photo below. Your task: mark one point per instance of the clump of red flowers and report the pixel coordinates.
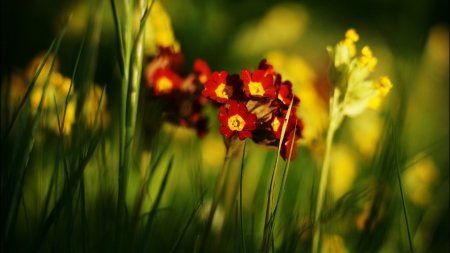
(255, 105)
(178, 93)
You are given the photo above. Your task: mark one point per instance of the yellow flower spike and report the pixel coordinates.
(383, 85)
(352, 35)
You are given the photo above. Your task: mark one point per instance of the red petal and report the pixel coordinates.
(244, 134)
(250, 121)
(223, 116)
(227, 132)
(246, 76)
(237, 108)
(258, 75)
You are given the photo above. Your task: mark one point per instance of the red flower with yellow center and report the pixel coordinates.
(221, 86)
(236, 119)
(202, 70)
(165, 81)
(278, 121)
(259, 84)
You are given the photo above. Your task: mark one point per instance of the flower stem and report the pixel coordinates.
(335, 120)
(217, 193)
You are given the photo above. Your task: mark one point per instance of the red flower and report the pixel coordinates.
(285, 94)
(259, 84)
(221, 87)
(288, 140)
(202, 70)
(164, 81)
(236, 119)
(278, 121)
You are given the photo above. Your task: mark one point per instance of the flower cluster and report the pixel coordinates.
(54, 98)
(348, 74)
(180, 94)
(254, 105)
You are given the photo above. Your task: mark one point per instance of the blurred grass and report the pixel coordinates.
(411, 37)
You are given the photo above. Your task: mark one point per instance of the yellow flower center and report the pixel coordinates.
(275, 124)
(256, 88)
(164, 85)
(224, 91)
(202, 78)
(236, 123)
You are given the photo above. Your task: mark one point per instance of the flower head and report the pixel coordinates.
(236, 119)
(259, 84)
(164, 81)
(202, 70)
(222, 87)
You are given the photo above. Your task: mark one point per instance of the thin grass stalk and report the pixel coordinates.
(120, 40)
(67, 195)
(23, 162)
(266, 240)
(131, 101)
(183, 232)
(31, 87)
(241, 212)
(335, 119)
(217, 193)
(127, 27)
(145, 240)
(405, 211)
(285, 173)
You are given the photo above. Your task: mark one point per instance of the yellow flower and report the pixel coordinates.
(92, 107)
(159, 32)
(383, 86)
(349, 74)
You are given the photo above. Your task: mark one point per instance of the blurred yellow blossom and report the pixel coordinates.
(313, 110)
(92, 105)
(159, 32)
(343, 170)
(333, 244)
(419, 179)
(285, 22)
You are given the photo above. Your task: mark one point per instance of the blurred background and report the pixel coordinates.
(409, 38)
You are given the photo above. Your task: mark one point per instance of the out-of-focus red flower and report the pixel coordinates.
(201, 68)
(289, 139)
(236, 119)
(259, 84)
(222, 87)
(164, 81)
(285, 94)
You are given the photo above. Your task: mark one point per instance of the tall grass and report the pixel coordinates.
(134, 187)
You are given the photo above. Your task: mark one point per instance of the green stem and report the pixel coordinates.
(335, 120)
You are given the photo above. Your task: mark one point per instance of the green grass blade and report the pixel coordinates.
(191, 218)
(119, 37)
(31, 87)
(15, 183)
(266, 240)
(145, 240)
(405, 211)
(240, 200)
(66, 196)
